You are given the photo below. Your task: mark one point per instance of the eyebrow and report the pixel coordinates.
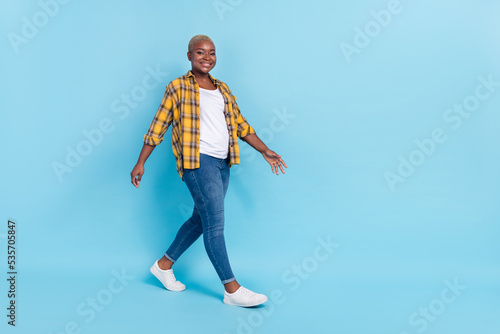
(203, 49)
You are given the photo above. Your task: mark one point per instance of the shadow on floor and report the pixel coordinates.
(191, 286)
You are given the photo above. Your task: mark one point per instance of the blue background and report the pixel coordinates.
(349, 121)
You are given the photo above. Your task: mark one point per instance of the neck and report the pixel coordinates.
(200, 76)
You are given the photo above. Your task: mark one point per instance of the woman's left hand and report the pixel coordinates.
(275, 161)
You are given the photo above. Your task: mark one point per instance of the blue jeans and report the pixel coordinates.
(208, 186)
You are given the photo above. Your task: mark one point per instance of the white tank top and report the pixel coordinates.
(214, 135)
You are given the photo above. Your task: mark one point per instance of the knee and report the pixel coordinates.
(214, 231)
(197, 226)
(196, 222)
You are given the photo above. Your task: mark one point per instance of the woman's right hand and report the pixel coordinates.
(136, 174)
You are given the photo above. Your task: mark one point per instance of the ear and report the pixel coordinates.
(189, 55)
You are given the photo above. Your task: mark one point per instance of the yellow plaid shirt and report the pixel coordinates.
(180, 107)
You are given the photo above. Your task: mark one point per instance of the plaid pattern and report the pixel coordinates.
(180, 107)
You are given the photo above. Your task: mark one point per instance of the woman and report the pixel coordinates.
(206, 123)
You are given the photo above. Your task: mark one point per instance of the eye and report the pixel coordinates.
(212, 54)
(199, 52)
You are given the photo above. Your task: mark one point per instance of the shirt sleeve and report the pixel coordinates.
(162, 119)
(244, 129)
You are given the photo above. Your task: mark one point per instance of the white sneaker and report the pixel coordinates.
(244, 297)
(167, 278)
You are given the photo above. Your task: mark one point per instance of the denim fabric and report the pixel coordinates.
(207, 185)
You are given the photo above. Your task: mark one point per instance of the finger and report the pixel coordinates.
(283, 162)
(136, 180)
(278, 166)
(281, 167)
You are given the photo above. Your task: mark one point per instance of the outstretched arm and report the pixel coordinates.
(138, 170)
(271, 157)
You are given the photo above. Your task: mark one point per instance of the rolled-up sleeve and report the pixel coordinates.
(243, 129)
(162, 119)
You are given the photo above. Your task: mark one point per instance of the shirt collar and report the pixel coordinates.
(215, 81)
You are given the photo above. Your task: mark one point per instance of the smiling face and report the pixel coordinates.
(202, 57)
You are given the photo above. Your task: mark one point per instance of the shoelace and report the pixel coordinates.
(248, 293)
(171, 276)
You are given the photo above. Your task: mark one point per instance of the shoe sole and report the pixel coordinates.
(153, 271)
(225, 301)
